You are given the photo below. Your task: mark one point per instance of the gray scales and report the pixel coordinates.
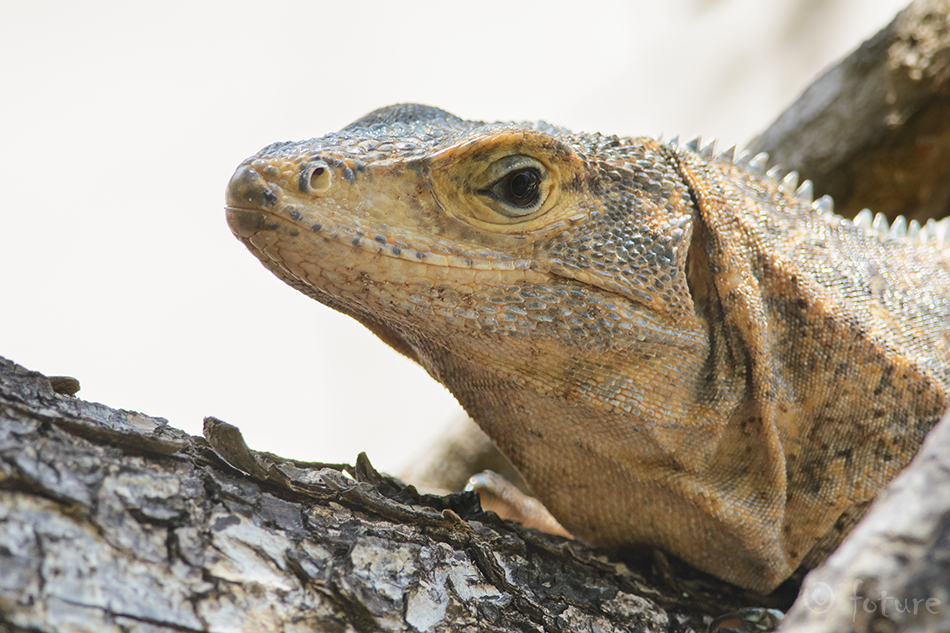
(674, 347)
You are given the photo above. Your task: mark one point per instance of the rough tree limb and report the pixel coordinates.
(114, 521)
(872, 131)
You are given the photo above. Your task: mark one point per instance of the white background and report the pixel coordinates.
(121, 122)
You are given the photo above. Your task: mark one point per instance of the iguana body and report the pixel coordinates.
(671, 349)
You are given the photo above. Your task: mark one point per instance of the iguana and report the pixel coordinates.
(674, 347)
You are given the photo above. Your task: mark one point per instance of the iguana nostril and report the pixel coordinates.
(315, 179)
(247, 189)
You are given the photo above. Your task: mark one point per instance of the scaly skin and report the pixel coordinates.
(670, 349)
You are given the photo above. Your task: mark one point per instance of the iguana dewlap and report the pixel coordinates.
(673, 348)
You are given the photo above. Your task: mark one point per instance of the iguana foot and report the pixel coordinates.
(505, 499)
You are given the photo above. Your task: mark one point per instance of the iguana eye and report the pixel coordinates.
(521, 188)
(516, 184)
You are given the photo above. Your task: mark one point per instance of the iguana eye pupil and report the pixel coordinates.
(521, 188)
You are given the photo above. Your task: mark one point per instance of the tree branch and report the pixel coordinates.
(113, 520)
(873, 131)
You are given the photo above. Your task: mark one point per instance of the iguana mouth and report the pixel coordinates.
(254, 204)
(245, 223)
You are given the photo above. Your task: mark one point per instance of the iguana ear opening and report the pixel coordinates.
(707, 303)
(699, 277)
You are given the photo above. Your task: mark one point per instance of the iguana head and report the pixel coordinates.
(410, 196)
(541, 276)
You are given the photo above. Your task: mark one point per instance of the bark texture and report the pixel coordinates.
(114, 521)
(872, 131)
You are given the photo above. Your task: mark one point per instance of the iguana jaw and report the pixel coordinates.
(379, 246)
(334, 251)
(344, 239)
(384, 235)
